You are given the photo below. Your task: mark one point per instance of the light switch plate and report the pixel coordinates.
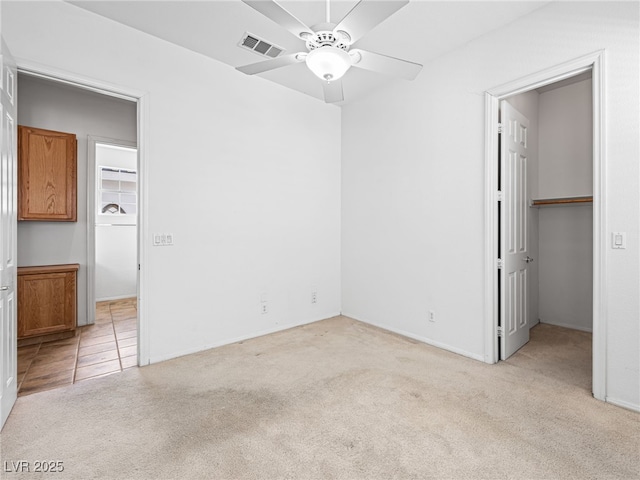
(162, 239)
(618, 240)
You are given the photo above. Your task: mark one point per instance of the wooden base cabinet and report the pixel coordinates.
(47, 301)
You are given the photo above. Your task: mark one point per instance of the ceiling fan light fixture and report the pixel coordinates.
(328, 63)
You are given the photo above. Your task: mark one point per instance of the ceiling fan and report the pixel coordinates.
(329, 54)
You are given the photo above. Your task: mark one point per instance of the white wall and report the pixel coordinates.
(43, 104)
(565, 232)
(566, 141)
(527, 104)
(566, 266)
(115, 236)
(116, 262)
(413, 184)
(257, 207)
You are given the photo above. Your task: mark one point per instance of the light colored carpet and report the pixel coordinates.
(335, 399)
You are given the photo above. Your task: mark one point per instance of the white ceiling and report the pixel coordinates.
(418, 32)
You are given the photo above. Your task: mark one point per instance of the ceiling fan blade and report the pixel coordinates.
(274, 11)
(267, 65)
(366, 15)
(333, 91)
(377, 62)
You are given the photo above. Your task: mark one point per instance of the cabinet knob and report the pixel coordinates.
(3, 288)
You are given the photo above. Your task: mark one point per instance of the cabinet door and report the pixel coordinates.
(46, 175)
(46, 303)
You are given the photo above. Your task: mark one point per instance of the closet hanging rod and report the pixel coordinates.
(543, 202)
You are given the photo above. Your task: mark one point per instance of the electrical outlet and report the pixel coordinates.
(432, 316)
(264, 302)
(314, 297)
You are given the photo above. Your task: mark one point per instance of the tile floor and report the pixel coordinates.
(109, 346)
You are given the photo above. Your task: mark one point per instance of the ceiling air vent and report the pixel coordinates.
(257, 45)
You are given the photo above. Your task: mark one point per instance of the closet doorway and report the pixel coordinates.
(544, 207)
(546, 178)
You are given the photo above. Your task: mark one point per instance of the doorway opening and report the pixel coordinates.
(88, 353)
(112, 213)
(112, 245)
(525, 233)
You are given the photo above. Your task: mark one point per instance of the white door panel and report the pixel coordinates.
(514, 308)
(8, 234)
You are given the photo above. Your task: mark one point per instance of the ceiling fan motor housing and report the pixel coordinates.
(327, 38)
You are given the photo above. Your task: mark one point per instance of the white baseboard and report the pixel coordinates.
(426, 340)
(621, 403)
(119, 297)
(229, 341)
(567, 325)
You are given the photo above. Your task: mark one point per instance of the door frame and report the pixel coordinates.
(91, 215)
(596, 63)
(141, 98)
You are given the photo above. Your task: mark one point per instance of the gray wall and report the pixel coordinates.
(566, 233)
(43, 104)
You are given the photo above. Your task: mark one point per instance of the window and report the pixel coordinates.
(117, 191)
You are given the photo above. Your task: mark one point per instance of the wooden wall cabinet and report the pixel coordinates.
(47, 175)
(47, 300)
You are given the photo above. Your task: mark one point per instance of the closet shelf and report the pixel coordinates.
(547, 202)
